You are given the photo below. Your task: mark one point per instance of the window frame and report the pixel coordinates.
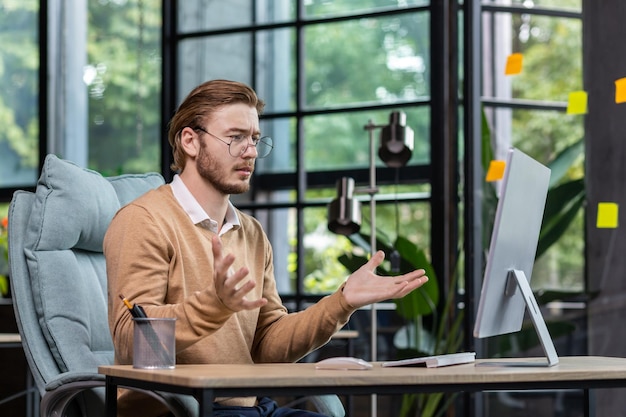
(299, 180)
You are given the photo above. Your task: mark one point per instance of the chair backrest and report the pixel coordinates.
(58, 276)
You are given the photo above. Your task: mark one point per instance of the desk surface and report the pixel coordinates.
(590, 370)
(10, 338)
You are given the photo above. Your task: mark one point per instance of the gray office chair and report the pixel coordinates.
(58, 283)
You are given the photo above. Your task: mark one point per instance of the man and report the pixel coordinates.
(184, 251)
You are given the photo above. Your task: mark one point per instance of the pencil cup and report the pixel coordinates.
(154, 343)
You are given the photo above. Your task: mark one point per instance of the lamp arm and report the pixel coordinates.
(372, 193)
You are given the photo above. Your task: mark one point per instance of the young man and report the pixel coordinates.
(184, 251)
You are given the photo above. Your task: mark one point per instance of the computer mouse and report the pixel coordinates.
(343, 363)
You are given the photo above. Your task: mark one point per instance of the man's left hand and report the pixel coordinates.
(365, 287)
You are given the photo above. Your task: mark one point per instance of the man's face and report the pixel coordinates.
(228, 174)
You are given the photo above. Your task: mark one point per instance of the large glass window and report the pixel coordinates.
(103, 86)
(123, 80)
(325, 69)
(384, 59)
(19, 95)
(527, 110)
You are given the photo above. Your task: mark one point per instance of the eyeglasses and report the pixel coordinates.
(239, 144)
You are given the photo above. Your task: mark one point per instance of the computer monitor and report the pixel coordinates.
(506, 292)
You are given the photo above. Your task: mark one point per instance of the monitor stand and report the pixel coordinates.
(519, 277)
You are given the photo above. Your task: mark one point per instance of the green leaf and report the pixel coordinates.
(487, 152)
(564, 160)
(426, 298)
(562, 205)
(417, 303)
(559, 198)
(352, 262)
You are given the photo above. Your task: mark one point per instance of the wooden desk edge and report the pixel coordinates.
(483, 371)
(10, 338)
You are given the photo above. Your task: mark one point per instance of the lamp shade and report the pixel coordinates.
(396, 141)
(344, 212)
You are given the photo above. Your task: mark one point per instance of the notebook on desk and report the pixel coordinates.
(435, 361)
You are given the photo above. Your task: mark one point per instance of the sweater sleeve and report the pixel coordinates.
(294, 335)
(289, 337)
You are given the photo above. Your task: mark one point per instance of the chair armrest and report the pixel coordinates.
(59, 394)
(329, 405)
(61, 391)
(72, 377)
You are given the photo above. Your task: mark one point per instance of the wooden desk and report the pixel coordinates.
(10, 340)
(206, 382)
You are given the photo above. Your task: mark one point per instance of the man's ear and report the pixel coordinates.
(190, 141)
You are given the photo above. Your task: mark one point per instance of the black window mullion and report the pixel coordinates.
(301, 175)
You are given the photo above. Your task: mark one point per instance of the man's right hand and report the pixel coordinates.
(231, 287)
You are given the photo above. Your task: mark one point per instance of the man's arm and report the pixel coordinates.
(292, 336)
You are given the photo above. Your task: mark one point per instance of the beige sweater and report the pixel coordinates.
(156, 257)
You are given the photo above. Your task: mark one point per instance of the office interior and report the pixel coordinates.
(95, 82)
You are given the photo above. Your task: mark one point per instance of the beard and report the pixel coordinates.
(210, 168)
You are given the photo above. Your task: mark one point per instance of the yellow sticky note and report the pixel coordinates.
(577, 103)
(607, 215)
(620, 90)
(495, 171)
(513, 64)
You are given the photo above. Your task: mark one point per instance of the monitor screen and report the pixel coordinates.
(506, 289)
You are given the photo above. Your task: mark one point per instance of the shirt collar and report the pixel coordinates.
(197, 214)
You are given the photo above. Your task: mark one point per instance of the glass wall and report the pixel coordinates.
(325, 69)
(527, 107)
(123, 85)
(102, 85)
(19, 95)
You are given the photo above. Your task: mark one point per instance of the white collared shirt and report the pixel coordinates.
(197, 214)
